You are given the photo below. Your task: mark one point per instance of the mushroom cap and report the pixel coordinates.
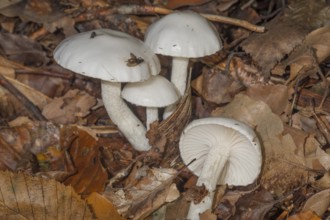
(244, 160)
(107, 55)
(156, 92)
(183, 34)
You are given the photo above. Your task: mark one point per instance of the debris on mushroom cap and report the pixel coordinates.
(183, 34)
(157, 91)
(244, 159)
(108, 55)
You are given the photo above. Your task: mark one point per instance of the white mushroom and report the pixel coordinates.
(182, 35)
(225, 151)
(156, 92)
(114, 57)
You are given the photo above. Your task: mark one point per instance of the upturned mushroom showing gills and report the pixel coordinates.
(154, 93)
(223, 151)
(114, 57)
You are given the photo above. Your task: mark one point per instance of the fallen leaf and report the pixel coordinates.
(150, 191)
(20, 142)
(102, 208)
(318, 203)
(23, 50)
(254, 205)
(280, 152)
(275, 96)
(215, 86)
(302, 57)
(308, 215)
(69, 108)
(27, 197)
(90, 175)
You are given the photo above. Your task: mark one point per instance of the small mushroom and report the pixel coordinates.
(156, 92)
(182, 35)
(114, 57)
(223, 151)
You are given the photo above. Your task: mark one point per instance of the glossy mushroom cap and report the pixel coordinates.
(183, 34)
(238, 145)
(108, 55)
(155, 92)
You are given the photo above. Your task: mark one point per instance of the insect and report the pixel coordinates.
(134, 61)
(93, 34)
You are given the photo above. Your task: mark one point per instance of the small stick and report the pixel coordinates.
(215, 18)
(36, 114)
(136, 9)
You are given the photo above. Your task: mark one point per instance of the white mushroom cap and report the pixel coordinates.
(156, 92)
(244, 157)
(183, 34)
(108, 55)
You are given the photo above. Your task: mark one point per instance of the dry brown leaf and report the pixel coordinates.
(280, 152)
(302, 57)
(90, 175)
(316, 158)
(18, 143)
(267, 49)
(145, 196)
(275, 96)
(102, 208)
(254, 205)
(68, 109)
(318, 203)
(26, 197)
(308, 215)
(215, 86)
(10, 107)
(23, 50)
(284, 33)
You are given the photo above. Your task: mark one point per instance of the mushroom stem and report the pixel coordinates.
(178, 78)
(123, 117)
(151, 115)
(212, 170)
(179, 73)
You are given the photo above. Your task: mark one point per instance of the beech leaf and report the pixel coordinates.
(27, 197)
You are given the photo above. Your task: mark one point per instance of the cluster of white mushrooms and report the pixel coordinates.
(224, 150)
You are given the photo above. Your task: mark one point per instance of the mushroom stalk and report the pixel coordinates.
(123, 117)
(178, 78)
(151, 116)
(211, 172)
(179, 73)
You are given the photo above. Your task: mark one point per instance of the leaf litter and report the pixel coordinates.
(275, 81)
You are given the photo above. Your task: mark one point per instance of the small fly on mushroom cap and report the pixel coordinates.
(114, 57)
(225, 151)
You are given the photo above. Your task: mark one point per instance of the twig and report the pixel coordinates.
(136, 9)
(36, 114)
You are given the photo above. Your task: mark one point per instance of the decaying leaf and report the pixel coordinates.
(319, 203)
(275, 96)
(20, 142)
(254, 205)
(22, 50)
(152, 189)
(281, 154)
(102, 208)
(69, 108)
(308, 215)
(90, 175)
(27, 197)
(301, 59)
(284, 33)
(215, 86)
